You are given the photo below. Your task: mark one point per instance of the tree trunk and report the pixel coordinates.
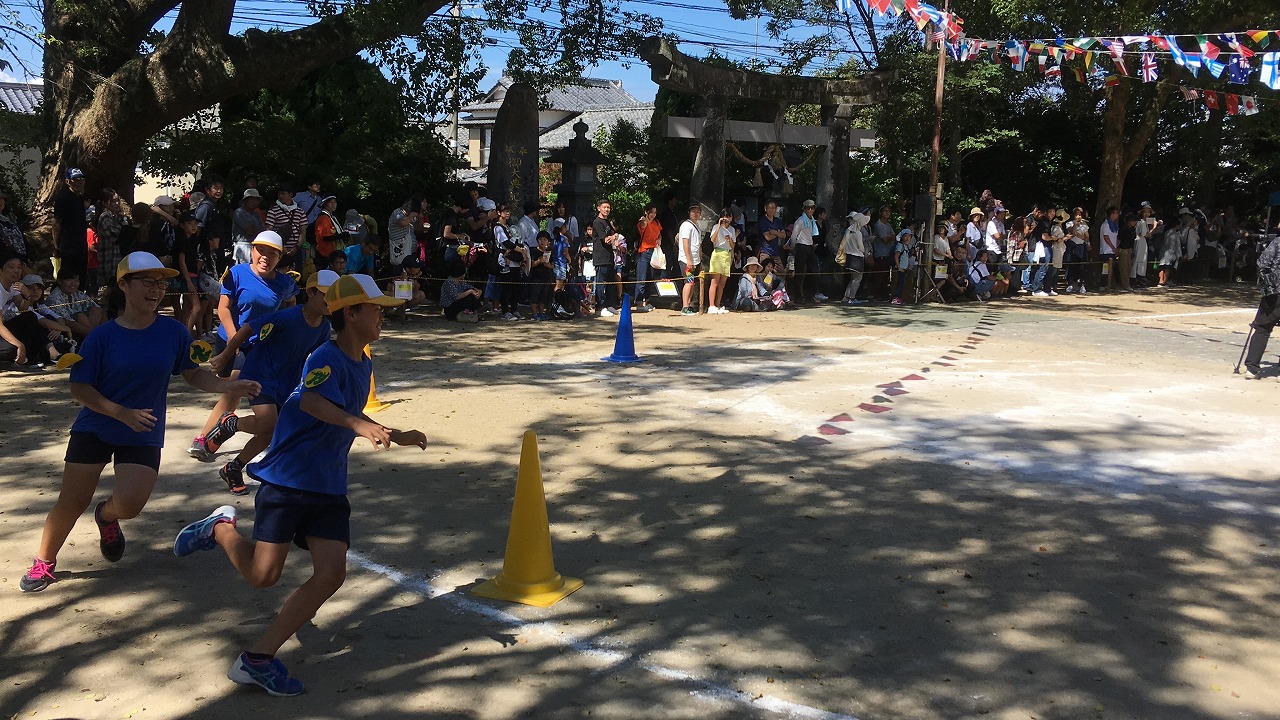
(103, 100)
(1121, 148)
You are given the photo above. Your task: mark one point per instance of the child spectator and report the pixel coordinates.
(903, 262)
(560, 262)
(513, 259)
(619, 261)
(459, 300)
(57, 334)
(338, 262)
(74, 306)
(540, 277)
(411, 272)
(773, 284)
(303, 498)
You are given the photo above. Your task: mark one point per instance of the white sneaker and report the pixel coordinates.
(821, 298)
(1071, 289)
(1040, 293)
(1053, 293)
(1082, 290)
(606, 312)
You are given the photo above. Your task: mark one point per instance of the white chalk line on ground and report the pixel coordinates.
(1178, 315)
(615, 652)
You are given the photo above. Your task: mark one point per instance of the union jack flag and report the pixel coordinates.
(1149, 70)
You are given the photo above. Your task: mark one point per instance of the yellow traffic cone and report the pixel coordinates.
(374, 404)
(528, 574)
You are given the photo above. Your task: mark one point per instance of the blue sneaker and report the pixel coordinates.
(199, 534)
(271, 676)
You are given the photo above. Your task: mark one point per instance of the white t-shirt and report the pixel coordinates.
(400, 240)
(722, 237)
(803, 230)
(1110, 239)
(690, 231)
(994, 228)
(940, 248)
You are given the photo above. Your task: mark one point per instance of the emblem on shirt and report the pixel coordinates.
(201, 351)
(266, 330)
(317, 377)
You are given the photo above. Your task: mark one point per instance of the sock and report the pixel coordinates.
(232, 422)
(256, 658)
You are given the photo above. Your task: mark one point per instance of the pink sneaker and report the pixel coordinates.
(38, 577)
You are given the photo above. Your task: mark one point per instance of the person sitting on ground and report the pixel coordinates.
(958, 282)
(773, 284)
(750, 298)
(362, 257)
(410, 272)
(58, 338)
(981, 276)
(458, 299)
(74, 306)
(338, 262)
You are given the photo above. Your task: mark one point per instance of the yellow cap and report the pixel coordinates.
(356, 289)
(322, 280)
(137, 262)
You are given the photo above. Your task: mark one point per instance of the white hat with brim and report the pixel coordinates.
(143, 262)
(252, 192)
(269, 238)
(165, 200)
(358, 289)
(323, 280)
(752, 261)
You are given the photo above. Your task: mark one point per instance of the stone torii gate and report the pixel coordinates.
(717, 87)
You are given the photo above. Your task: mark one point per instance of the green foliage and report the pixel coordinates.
(623, 178)
(345, 125)
(18, 132)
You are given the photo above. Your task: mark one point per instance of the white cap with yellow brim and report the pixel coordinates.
(139, 262)
(270, 238)
(357, 289)
(323, 280)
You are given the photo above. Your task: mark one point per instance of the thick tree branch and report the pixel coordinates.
(1146, 127)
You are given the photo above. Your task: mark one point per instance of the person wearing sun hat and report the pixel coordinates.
(303, 497)
(283, 341)
(249, 290)
(120, 379)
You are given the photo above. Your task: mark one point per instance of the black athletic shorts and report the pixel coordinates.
(284, 514)
(89, 449)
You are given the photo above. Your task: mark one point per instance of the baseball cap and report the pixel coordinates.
(74, 173)
(164, 200)
(356, 289)
(323, 280)
(136, 262)
(187, 216)
(269, 238)
(486, 204)
(410, 262)
(33, 279)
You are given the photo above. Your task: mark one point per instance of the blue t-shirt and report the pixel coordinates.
(284, 339)
(560, 251)
(132, 368)
(305, 453)
(251, 296)
(357, 261)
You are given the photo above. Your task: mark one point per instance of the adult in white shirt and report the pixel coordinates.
(689, 247)
(1144, 231)
(994, 236)
(973, 234)
(854, 248)
(1077, 252)
(806, 265)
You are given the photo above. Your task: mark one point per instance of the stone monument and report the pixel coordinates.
(513, 154)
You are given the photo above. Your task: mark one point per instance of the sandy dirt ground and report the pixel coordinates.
(1036, 508)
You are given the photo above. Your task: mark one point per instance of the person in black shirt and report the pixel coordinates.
(602, 257)
(186, 260)
(71, 227)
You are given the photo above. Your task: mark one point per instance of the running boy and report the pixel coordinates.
(303, 498)
(121, 382)
(284, 341)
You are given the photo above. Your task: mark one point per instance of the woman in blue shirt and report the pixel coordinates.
(249, 290)
(121, 382)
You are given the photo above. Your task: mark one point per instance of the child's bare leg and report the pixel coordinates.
(79, 481)
(226, 403)
(329, 571)
(261, 424)
(260, 563)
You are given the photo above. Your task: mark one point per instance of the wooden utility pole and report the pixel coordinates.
(926, 243)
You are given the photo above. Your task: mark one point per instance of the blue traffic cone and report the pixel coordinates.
(624, 345)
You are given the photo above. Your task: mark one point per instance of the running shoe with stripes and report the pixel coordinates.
(111, 541)
(199, 534)
(199, 450)
(221, 432)
(38, 577)
(232, 474)
(271, 676)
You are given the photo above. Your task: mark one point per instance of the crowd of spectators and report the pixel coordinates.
(479, 259)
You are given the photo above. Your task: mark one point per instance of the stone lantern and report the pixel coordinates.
(578, 188)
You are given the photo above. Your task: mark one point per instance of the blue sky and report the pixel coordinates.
(694, 21)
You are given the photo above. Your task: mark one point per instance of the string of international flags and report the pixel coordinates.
(1230, 54)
